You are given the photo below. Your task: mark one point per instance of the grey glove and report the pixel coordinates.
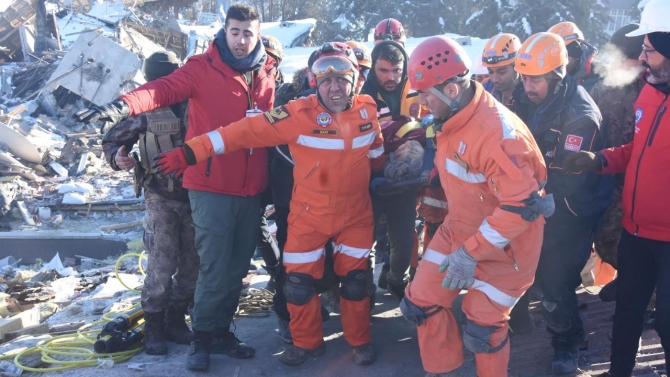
(460, 268)
(110, 113)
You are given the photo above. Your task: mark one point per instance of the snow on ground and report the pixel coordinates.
(296, 58)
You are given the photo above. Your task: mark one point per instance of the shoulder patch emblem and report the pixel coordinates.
(639, 113)
(275, 115)
(321, 131)
(414, 109)
(365, 127)
(573, 143)
(364, 114)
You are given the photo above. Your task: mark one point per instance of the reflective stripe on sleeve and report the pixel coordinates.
(435, 202)
(496, 239)
(363, 140)
(217, 141)
(352, 251)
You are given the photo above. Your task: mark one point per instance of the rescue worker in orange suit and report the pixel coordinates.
(498, 57)
(335, 140)
(563, 119)
(492, 172)
(387, 83)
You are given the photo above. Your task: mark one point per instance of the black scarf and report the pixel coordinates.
(254, 61)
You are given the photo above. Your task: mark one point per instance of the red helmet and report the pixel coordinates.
(436, 60)
(390, 29)
(335, 59)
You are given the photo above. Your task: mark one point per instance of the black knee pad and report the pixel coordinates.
(299, 288)
(415, 314)
(354, 286)
(476, 338)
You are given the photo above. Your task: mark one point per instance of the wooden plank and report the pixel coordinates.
(28, 318)
(38, 329)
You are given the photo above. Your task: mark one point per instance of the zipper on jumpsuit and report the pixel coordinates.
(648, 142)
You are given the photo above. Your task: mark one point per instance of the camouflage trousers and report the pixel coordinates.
(609, 232)
(173, 264)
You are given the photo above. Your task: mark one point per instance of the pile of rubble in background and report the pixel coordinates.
(52, 168)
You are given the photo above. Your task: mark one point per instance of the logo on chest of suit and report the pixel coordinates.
(573, 143)
(323, 119)
(414, 110)
(365, 127)
(639, 113)
(461, 148)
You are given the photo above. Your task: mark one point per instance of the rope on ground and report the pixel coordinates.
(256, 303)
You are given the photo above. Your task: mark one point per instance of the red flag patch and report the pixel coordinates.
(573, 143)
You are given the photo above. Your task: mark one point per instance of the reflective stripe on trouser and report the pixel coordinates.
(352, 246)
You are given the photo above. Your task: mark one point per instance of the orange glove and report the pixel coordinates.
(174, 162)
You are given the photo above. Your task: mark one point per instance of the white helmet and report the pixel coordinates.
(653, 18)
(478, 67)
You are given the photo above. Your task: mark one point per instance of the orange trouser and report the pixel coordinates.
(604, 272)
(307, 237)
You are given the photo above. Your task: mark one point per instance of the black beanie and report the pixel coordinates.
(630, 46)
(574, 49)
(660, 42)
(160, 64)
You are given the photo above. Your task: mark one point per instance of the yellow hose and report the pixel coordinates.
(79, 345)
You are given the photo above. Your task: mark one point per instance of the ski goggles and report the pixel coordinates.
(334, 65)
(388, 37)
(497, 59)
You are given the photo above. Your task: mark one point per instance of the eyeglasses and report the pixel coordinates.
(646, 51)
(498, 59)
(332, 65)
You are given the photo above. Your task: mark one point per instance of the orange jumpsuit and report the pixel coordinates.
(486, 158)
(333, 155)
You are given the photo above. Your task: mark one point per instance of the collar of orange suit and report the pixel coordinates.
(463, 116)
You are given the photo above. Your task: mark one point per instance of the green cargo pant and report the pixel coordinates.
(226, 231)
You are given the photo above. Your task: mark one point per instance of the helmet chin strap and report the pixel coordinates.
(453, 104)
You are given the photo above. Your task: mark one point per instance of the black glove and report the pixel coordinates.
(582, 161)
(110, 113)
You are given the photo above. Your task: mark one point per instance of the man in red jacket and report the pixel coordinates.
(231, 80)
(644, 248)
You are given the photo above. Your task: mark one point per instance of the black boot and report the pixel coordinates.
(608, 292)
(176, 329)
(383, 281)
(226, 343)
(398, 291)
(198, 356)
(565, 359)
(154, 333)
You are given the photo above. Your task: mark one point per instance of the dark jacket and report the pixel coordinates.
(128, 133)
(645, 161)
(281, 161)
(407, 101)
(219, 96)
(585, 74)
(569, 121)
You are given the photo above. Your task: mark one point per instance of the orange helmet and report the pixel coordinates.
(541, 53)
(436, 60)
(501, 50)
(568, 31)
(362, 54)
(273, 47)
(390, 29)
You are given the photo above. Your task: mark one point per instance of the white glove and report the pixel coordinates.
(461, 270)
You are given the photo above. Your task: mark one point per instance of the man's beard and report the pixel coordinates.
(659, 75)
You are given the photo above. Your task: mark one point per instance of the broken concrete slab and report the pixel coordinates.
(19, 145)
(22, 320)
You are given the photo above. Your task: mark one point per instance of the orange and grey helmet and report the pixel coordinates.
(362, 54)
(501, 50)
(568, 31)
(273, 47)
(542, 53)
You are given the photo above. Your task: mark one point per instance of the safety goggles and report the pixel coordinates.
(388, 37)
(497, 59)
(332, 65)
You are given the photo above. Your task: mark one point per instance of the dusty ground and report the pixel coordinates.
(398, 354)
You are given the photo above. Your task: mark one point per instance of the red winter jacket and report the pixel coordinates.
(218, 96)
(645, 160)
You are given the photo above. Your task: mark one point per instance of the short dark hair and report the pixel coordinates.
(242, 12)
(388, 52)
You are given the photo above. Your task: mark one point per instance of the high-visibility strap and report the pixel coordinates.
(355, 252)
(321, 142)
(217, 141)
(493, 236)
(435, 202)
(363, 140)
(454, 168)
(302, 258)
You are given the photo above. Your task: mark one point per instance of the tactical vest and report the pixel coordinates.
(163, 133)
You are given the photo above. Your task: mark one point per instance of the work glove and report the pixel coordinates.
(174, 162)
(460, 268)
(582, 161)
(110, 113)
(376, 182)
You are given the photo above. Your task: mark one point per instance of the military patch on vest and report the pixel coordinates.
(414, 110)
(365, 127)
(321, 131)
(276, 114)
